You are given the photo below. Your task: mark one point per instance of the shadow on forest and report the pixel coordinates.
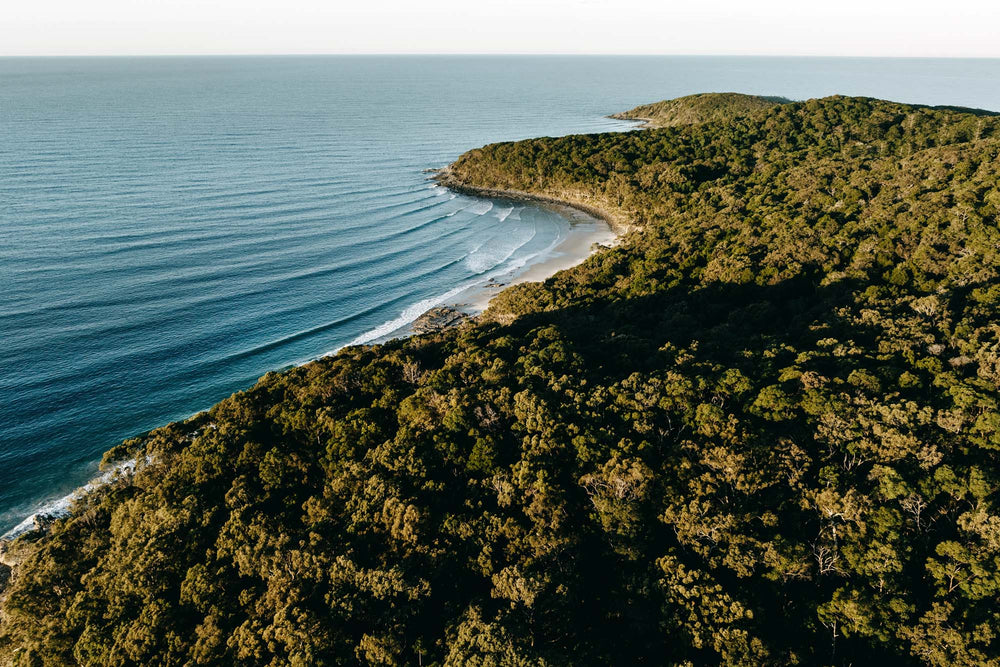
(726, 319)
(617, 337)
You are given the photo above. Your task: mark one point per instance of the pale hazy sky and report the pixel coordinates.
(742, 27)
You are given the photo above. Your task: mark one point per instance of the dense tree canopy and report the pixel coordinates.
(700, 108)
(762, 430)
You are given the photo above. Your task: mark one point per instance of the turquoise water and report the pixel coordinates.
(172, 228)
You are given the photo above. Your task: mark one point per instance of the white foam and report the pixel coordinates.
(475, 250)
(509, 271)
(60, 507)
(409, 315)
(503, 213)
(522, 261)
(496, 251)
(457, 211)
(481, 208)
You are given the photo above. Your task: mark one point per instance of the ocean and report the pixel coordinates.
(171, 228)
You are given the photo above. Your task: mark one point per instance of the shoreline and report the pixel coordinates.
(590, 230)
(641, 122)
(587, 234)
(446, 178)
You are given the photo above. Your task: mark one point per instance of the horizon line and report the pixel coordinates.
(493, 54)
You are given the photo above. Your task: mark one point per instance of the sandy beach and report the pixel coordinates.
(586, 234)
(590, 228)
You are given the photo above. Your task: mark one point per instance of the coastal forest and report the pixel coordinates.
(763, 429)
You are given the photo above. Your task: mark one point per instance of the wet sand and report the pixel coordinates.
(585, 235)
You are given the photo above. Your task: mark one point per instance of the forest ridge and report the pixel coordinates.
(764, 429)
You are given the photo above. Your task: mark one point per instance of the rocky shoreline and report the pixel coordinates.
(12, 548)
(438, 319)
(8, 563)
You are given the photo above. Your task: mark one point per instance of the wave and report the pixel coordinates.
(481, 265)
(408, 316)
(502, 214)
(492, 254)
(305, 333)
(435, 201)
(411, 313)
(521, 262)
(481, 208)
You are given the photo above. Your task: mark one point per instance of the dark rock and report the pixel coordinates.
(41, 522)
(438, 319)
(6, 565)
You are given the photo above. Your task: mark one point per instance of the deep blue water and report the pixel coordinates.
(172, 228)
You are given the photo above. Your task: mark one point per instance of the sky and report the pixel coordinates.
(951, 28)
